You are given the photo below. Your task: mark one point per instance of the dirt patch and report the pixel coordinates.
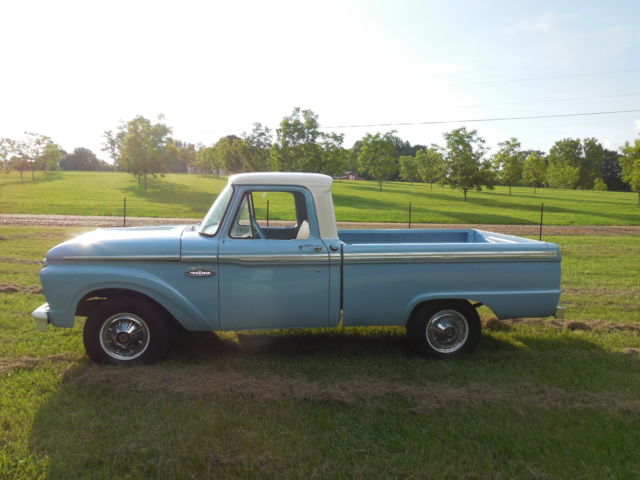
(29, 363)
(587, 325)
(19, 260)
(634, 352)
(102, 221)
(9, 288)
(425, 396)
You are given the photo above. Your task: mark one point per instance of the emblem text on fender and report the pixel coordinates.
(199, 272)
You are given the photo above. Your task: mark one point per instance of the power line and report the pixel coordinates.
(475, 120)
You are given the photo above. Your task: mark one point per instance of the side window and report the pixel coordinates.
(275, 209)
(271, 215)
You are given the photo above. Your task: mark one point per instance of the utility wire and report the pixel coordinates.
(472, 120)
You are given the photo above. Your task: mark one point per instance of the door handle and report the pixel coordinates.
(315, 248)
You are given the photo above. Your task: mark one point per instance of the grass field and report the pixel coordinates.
(102, 193)
(537, 401)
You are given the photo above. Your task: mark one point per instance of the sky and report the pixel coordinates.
(72, 70)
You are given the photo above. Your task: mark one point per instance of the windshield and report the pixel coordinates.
(212, 221)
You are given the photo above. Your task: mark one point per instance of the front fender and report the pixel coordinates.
(66, 284)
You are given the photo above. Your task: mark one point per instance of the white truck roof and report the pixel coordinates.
(319, 185)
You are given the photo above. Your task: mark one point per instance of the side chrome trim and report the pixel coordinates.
(199, 258)
(435, 256)
(125, 258)
(276, 258)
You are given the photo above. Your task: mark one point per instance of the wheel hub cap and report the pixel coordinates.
(447, 331)
(124, 336)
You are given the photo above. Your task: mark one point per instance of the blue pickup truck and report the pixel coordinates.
(239, 270)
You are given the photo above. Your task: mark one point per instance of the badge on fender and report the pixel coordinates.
(199, 272)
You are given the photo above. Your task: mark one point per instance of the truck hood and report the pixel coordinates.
(131, 243)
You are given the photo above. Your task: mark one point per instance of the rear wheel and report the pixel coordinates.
(444, 329)
(126, 330)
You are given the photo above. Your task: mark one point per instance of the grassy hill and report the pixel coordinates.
(177, 195)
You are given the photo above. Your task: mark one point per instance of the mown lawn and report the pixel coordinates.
(539, 401)
(102, 193)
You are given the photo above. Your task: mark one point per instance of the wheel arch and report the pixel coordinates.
(445, 300)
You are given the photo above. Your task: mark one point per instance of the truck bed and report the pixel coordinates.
(372, 237)
(385, 271)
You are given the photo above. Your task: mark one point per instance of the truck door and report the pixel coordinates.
(274, 268)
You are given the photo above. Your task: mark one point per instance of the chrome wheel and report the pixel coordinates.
(447, 331)
(124, 336)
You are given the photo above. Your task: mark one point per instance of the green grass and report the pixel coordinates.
(175, 195)
(531, 402)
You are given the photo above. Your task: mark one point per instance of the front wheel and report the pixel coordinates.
(126, 330)
(444, 329)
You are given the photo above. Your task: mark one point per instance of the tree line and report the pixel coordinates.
(144, 147)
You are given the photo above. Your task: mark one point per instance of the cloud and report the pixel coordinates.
(636, 125)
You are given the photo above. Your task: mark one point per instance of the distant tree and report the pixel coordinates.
(630, 162)
(229, 152)
(20, 163)
(408, 169)
(255, 148)
(591, 168)
(143, 147)
(534, 170)
(611, 172)
(377, 157)
(300, 146)
(335, 156)
(181, 156)
(574, 163)
(599, 185)
(297, 147)
(207, 160)
(509, 162)
(431, 164)
(50, 158)
(113, 143)
(466, 167)
(81, 159)
(7, 147)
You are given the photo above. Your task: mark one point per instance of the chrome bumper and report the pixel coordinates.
(560, 312)
(41, 315)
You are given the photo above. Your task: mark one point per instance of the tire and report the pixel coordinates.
(444, 329)
(125, 331)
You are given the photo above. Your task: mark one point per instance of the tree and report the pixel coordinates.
(630, 162)
(509, 162)
(534, 170)
(599, 185)
(591, 168)
(255, 148)
(301, 146)
(229, 152)
(181, 156)
(143, 147)
(50, 158)
(611, 172)
(575, 164)
(7, 147)
(377, 157)
(408, 169)
(431, 165)
(207, 160)
(466, 167)
(113, 143)
(80, 159)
